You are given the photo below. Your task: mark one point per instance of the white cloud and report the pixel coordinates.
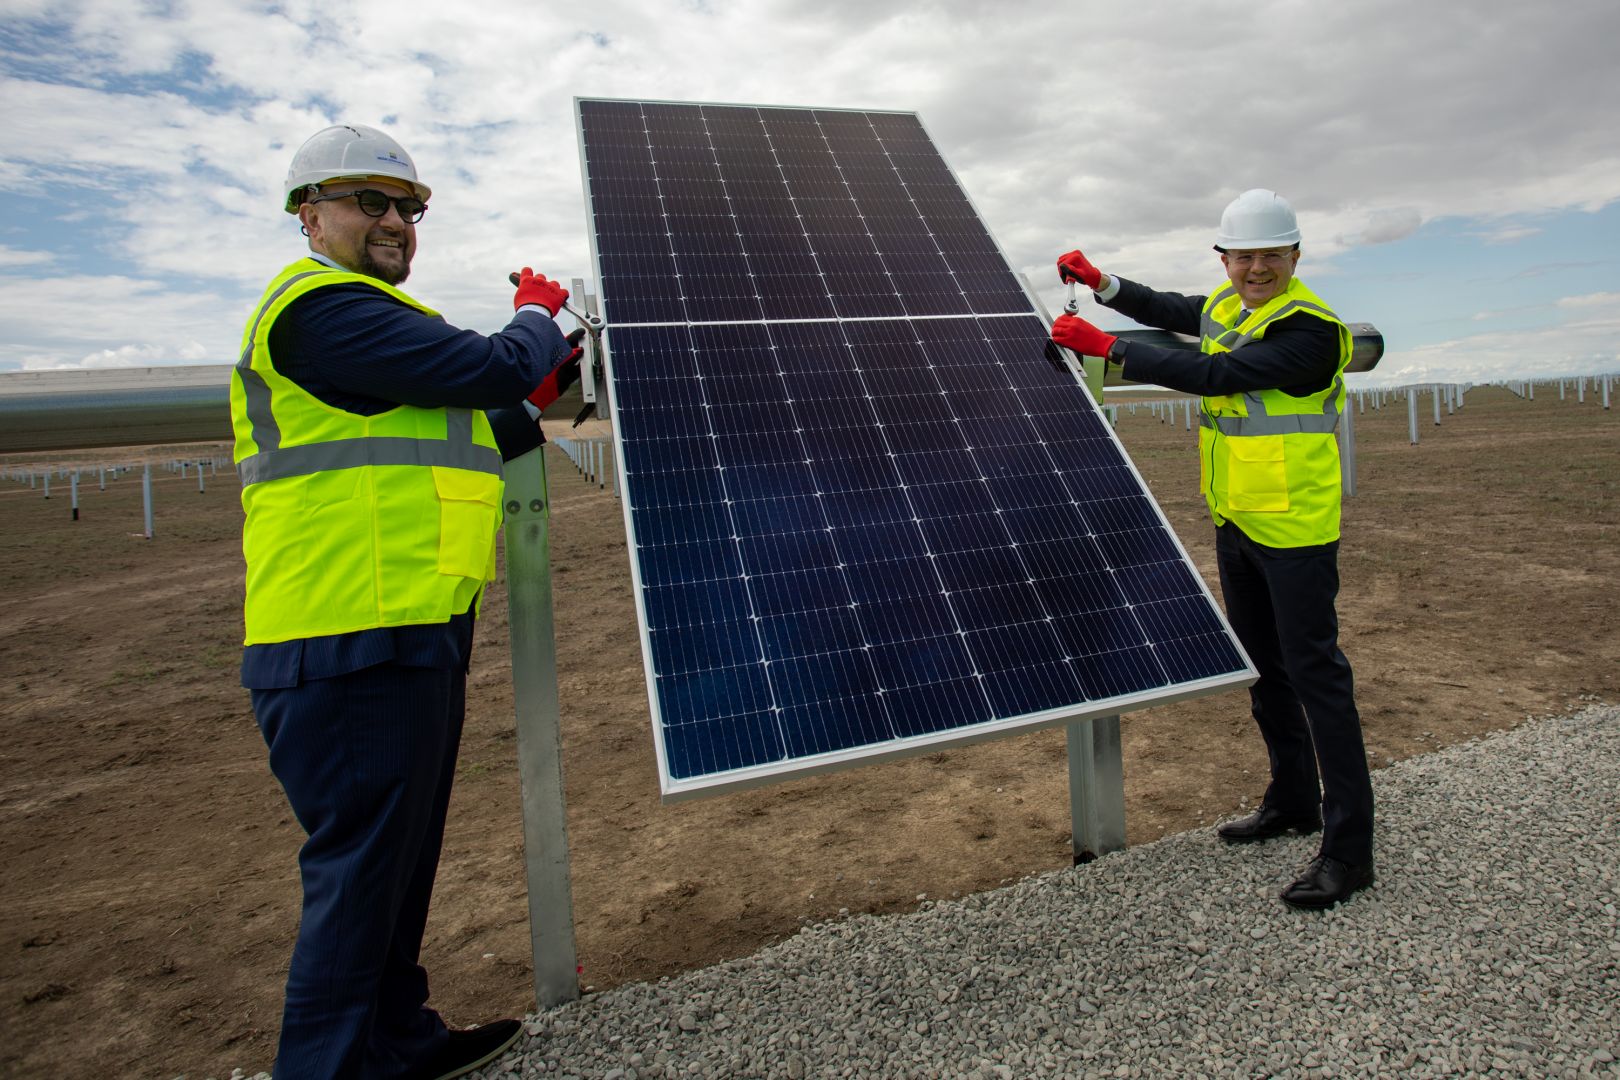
(1601, 301)
(1576, 347)
(14, 257)
(1573, 335)
(126, 356)
(1506, 233)
(96, 320)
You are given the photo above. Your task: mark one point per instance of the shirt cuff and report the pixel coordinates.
(1105, 295)
(534, 307)
(532, 409)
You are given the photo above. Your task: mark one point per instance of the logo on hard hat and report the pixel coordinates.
(390, 156)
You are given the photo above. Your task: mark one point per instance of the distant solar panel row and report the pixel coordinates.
(865, 513)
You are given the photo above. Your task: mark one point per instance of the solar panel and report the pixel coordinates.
(866, 516)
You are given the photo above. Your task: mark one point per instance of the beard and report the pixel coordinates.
(392, 275)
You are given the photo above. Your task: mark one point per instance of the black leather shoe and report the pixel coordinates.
(470, 1049)
(1265, 823)
(1327, 881)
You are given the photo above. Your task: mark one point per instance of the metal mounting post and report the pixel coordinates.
(539, 730)
(1096, 788)
(1347, 451)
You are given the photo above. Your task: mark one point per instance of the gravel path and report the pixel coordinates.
(1490, 946)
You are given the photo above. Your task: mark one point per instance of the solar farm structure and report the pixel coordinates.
(867, 515)
(875, 382)
(1486, 542)
(75, 410)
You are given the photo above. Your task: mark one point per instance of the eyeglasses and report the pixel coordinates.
(1264, 258)
(374, 203)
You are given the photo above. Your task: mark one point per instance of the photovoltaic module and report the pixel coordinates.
(866, 516)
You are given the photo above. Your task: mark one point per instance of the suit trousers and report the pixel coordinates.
(367, 760)
(1280, 602)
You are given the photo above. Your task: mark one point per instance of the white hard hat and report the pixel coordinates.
(1257, 219)
(349, 152)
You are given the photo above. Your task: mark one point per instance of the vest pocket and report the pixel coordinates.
(1257, 477)
(469, 511)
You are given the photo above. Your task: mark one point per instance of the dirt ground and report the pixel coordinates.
(150, 893)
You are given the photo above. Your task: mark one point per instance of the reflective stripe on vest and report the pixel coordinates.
(1239, 426)
(1260, 422)
(456, 452)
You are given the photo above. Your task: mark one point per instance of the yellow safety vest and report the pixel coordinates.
(355, 522)
(1269, 462)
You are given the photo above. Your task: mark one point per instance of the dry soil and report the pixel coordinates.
(150, 893)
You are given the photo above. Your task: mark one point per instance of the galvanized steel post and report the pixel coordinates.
(1347, 451)
(1096, 788)
(539, 730)
(146, 496)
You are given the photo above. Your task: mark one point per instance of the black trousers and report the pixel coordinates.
(367, 760)
(1280, 603)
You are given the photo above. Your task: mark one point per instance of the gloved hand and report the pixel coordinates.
(1073, 332)
(564, 375)
(1076, 267)
(533, 288)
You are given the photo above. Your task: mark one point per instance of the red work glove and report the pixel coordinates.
(1076, 267)
(1073, 332)
(562, 376)
(533, 288)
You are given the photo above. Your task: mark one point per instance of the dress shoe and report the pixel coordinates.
(1267, 822)
(467, 1050)
(1327, 881)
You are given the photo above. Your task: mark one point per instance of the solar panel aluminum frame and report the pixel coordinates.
(675, 790)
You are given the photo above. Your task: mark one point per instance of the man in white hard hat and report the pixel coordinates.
(1270, 372)
(369, 438)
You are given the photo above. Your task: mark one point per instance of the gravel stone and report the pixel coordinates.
(1488, 947)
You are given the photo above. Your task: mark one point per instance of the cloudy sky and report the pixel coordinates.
(1456, 165)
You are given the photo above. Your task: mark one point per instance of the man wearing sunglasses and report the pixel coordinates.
(1271, 376)
(369, 438)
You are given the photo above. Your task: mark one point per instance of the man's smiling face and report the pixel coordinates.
(379, 247)
(1260, 276)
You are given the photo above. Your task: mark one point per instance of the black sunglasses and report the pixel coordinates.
(374, 203)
